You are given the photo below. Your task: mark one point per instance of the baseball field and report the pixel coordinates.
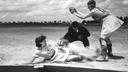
(17, 45)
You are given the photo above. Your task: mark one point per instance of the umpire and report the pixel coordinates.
(77, 32)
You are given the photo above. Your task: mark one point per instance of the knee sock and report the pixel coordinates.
(109, 47)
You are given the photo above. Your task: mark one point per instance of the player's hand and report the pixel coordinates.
(63, 42)
(72, 10)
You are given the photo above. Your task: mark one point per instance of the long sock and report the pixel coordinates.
(109, 46)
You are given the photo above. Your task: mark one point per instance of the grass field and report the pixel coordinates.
(17, 45)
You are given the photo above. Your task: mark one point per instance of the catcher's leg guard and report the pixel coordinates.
(103, 55)
(109, 47)
(104, 52)
(109, 50)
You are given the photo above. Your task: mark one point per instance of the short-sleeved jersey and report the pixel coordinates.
(98, 13)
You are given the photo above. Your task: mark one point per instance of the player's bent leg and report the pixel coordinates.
(103, 54)
(100, 40)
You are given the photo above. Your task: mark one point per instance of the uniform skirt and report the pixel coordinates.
(110, 24)
(60, 55)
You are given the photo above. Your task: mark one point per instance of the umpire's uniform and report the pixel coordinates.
(78, 34)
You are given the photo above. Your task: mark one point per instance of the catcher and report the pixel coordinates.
(110, 23)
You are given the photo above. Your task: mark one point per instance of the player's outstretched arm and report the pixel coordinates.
(79, 14)
(33, 59)
(82, 16)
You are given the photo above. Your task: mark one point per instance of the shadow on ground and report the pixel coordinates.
(117, 57)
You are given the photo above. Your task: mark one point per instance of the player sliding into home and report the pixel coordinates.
(110, 23)
(53, 52)
(61, 51)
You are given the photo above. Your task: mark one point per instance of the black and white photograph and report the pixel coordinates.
(63, 35)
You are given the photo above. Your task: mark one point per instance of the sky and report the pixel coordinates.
(49, 10)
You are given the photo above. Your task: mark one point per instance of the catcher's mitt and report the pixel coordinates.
(72, 10)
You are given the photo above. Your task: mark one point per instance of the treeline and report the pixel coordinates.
(65, 23)
(125, 19)
(61, 23)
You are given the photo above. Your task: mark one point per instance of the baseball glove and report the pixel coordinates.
(72, 10)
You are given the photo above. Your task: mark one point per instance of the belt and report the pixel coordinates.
(105, 16)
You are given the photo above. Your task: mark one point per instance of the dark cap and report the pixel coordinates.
(91, 2)
(75, 24)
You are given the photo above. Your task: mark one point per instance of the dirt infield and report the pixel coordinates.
(17, 45)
